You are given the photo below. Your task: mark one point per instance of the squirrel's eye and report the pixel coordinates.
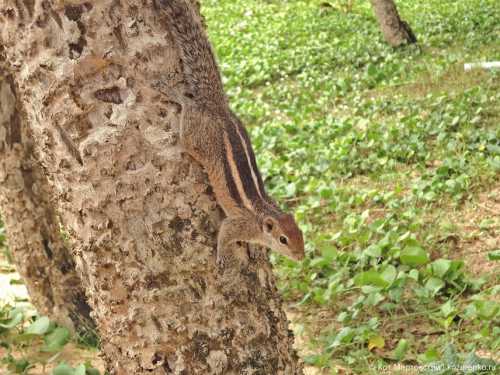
(269, 227)
(283, 240)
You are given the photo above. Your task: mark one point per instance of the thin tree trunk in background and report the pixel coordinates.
(141, 215)
(33, 231)
(396, 31)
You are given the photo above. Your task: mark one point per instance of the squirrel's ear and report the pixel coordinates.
(268, 224)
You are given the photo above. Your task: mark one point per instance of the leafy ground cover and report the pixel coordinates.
(391, 161)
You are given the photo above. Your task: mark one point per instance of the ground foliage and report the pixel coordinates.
(29, 340)
(380, 152)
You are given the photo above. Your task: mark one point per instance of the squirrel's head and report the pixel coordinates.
(282, 234)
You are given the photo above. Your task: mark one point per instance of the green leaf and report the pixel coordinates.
(92, 371)
(371, 277)
(440, 267)
(433, 285)
(56, 340)
(389, 274)
(447, 309)
(318, 360)
(63, 369)
(374, 251)
(487, 309)
(80, 370)
(414, 256)
(344, 336)
(430, 355)
(329, 252)
(374, 299)
(16, 316)
(400, 350)
(39, 326)
(18, 366)
(372, 70)
(494, 255)
(343, 317)
(413, 274)
(455, 267)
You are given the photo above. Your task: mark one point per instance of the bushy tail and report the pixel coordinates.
(198, 61)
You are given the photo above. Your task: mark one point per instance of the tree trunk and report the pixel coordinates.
(396, 32)
(33, 231)
(141, 215)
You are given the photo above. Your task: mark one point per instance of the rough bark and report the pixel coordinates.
(141, 215)
(34, 236)
(396, 31)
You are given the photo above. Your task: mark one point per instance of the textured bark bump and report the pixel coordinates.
(141, 216)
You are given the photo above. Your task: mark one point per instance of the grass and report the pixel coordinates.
(390, 159)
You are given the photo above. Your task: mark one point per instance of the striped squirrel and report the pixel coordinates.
(212, 134)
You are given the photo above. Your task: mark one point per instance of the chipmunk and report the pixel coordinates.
(214, 136)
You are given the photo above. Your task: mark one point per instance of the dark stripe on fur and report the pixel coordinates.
(253, 162)
(242, 163)
(231, 185)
